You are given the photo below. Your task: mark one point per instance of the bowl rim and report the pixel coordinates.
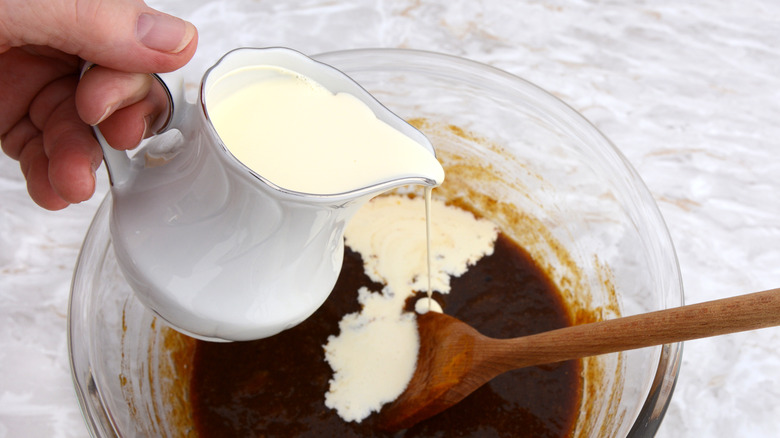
(92, 408)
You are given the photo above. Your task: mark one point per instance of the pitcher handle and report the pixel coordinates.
(118, 162)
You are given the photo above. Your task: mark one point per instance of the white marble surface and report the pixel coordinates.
(689, 91)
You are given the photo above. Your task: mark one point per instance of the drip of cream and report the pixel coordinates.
(374, 355)
(428, 191)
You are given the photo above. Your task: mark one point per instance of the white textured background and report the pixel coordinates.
(689, 91)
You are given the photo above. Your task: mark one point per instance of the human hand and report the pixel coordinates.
(46, 112)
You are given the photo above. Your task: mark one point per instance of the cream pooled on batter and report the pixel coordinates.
(374, 355)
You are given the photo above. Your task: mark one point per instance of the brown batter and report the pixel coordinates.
(276, 386)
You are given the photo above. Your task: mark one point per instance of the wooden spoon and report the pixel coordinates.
(454, 359)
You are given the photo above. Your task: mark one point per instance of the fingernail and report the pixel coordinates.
(109, 110)
(164, 33)
(147, 127)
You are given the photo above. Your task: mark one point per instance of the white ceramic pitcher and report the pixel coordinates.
(215, 249)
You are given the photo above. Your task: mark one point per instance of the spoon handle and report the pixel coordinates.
(712, 318)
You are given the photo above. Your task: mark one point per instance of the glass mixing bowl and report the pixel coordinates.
(512, 152)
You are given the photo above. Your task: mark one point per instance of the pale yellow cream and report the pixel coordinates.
(300, 136)
(374, 355)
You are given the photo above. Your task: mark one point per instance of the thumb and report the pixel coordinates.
(124, 35)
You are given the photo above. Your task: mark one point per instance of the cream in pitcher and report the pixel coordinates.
(239, 235)
(304, 138)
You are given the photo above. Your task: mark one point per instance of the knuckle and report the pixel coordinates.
(17, 137)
